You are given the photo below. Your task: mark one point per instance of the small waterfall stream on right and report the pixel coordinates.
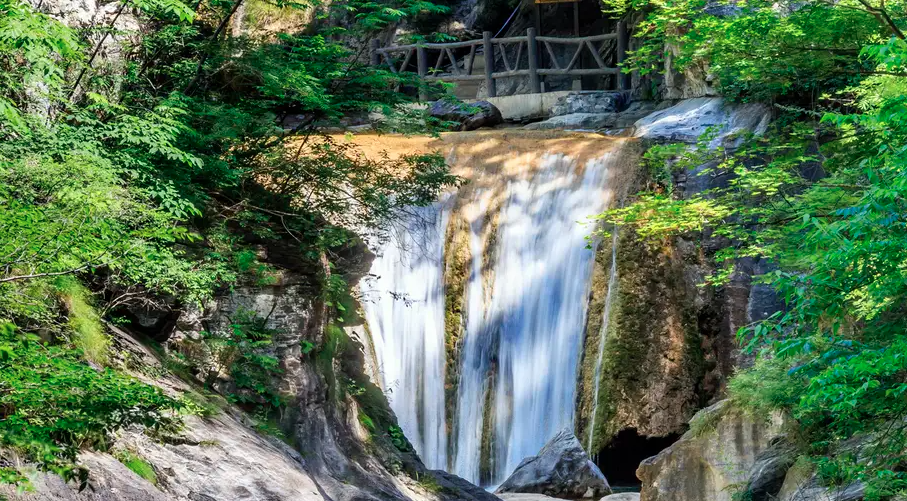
(603, 334)
(480, 359)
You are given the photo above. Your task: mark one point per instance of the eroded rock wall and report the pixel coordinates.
(714, 460)
(669, 343)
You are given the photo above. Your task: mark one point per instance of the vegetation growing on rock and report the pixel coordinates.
(821, 196)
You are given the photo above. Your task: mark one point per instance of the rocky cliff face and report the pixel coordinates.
(318, 449)
(729, 454)
(723, 450)
(669, 341)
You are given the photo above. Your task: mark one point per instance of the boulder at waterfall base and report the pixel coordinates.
(469, 116)
(725, 451)
(561, 469)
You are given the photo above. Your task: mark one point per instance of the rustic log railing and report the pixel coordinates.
(399, 58)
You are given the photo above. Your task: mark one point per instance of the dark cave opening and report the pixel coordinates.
(619, 460)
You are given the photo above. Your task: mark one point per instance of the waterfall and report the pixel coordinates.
(407, 329)
(524, 303)
(603, 334)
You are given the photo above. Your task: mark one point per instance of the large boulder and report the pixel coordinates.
(561, 469)
(723, 452)
(469, 116)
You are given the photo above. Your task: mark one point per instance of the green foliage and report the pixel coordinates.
(54, 405)
(159, 183)
(760, 49)
(398, 438)
(138, 465)
(367, 422)
(821, 197)
(89, 335)
(240, 354)
(428, 482)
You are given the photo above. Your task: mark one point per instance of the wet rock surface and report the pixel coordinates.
(561, 469)
(689, 119)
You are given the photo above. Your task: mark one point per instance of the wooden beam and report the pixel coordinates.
(453, 61)
(532, 52)
(489, 63)
(409, 55)
(579, 50)
(472, 59)
(551, 53)
(373, 55)
(598, 59)
(422, 62)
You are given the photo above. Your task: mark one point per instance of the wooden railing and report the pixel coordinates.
(399, 58)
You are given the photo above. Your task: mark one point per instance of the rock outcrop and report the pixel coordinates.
(691, 118)
(469, 116)
(586, 120)
(561, 469)
(800, 484)
(223, 454)
(590, 101)
(721, 454)
(669, 342)
(729, 454)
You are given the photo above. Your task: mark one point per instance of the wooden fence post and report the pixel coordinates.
(623, 39)
(533, 54)
(422, 61)
(489, 63)
(374, 57)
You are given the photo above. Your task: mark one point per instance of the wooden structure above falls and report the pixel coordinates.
(447, 67)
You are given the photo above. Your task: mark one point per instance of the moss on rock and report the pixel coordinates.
(654, 363)
(456, 277)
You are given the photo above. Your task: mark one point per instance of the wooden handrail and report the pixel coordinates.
(488, 44)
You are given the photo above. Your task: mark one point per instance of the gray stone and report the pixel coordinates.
(689, 119)
(622, 496)
(713, 459)
(469, 116)
(590, 121)
(590, 101)
(561, 469)
(219, 458)
(768, 472)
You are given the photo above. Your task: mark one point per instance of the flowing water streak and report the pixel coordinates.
(542, 276)
(603, 334)
(524, 308)
(404, 310)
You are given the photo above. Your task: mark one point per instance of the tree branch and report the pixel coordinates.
(97, 49)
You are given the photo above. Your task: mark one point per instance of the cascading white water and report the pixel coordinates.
(407, 328)
(523, 320)
(603, 334)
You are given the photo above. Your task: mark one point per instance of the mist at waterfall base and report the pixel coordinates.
(524, 311)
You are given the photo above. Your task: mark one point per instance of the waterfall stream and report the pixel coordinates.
(524, 303)
(603, 335)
